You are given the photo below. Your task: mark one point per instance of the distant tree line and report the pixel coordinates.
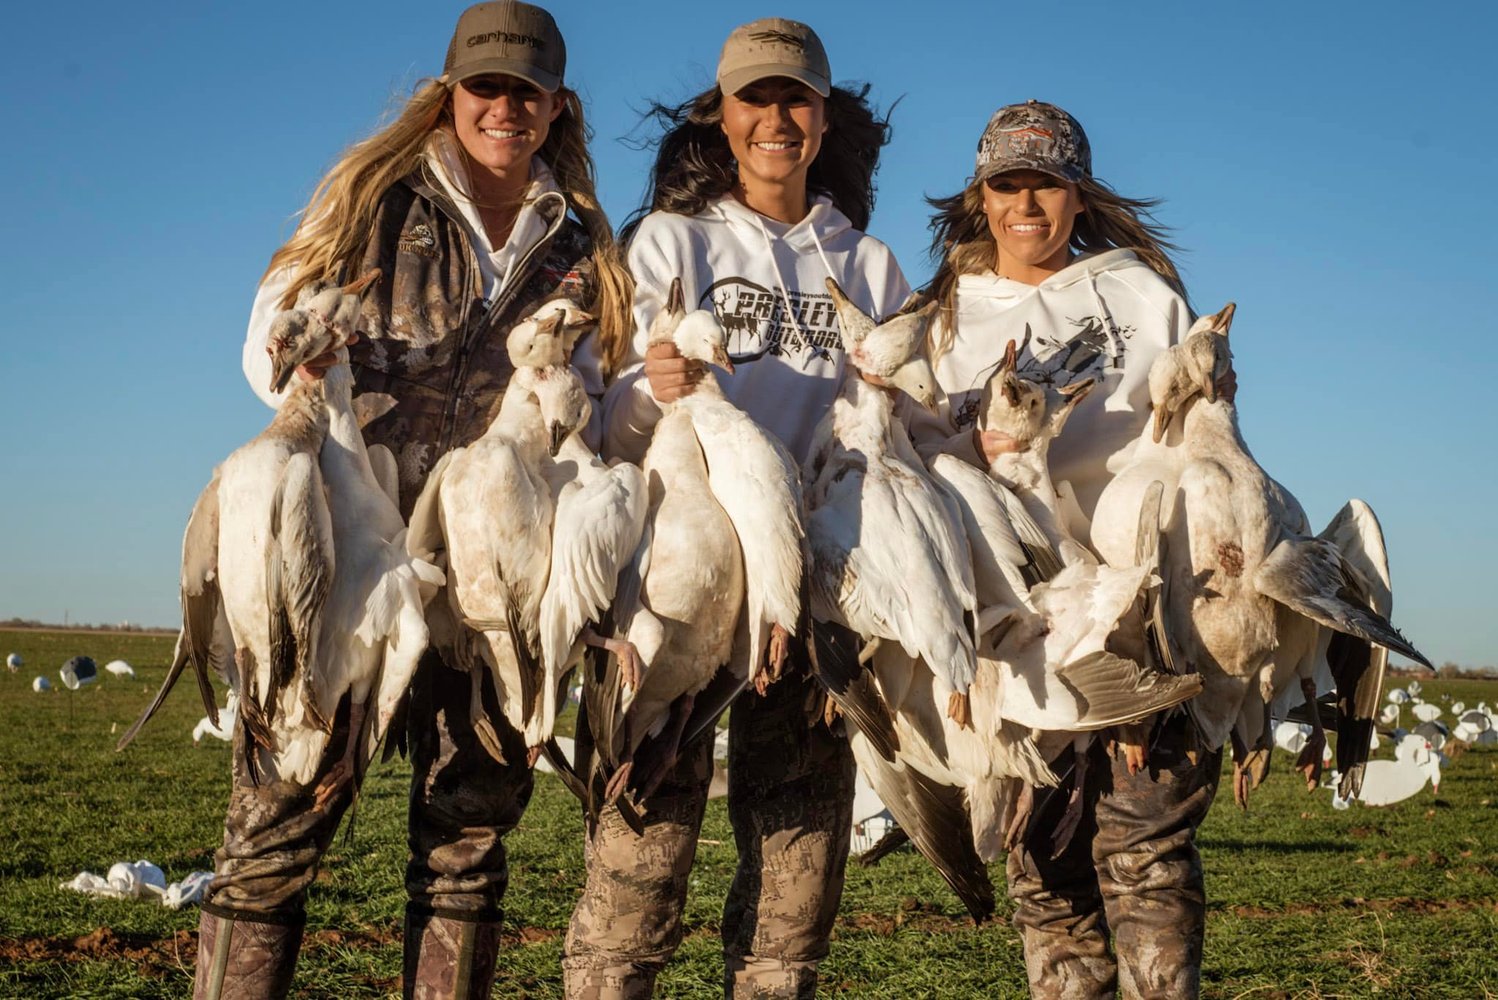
(34, 623)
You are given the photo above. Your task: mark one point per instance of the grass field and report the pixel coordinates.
(1305, 901)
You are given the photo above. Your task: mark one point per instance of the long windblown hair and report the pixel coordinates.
(336, 223)
(962, 243)
(694, 165)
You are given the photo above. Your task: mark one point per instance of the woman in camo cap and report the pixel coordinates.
(1037, 250)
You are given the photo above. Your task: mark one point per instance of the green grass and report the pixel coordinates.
(1305, 901)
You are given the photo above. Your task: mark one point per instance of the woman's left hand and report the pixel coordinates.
(1227, 386)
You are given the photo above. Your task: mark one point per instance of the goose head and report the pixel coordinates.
(560, 396)
(324, 320)
(547, 336)
(1191, 368)
(1026, 411)
(697, 334)
(892, 350)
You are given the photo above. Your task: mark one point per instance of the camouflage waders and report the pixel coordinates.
(790, 798)
(1132, 868)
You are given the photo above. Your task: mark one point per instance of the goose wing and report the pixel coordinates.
(299, 567)
(201, 612)
(1010, 553)
(1358, 666)
(889, 562)
(755, 481)
(596, 530)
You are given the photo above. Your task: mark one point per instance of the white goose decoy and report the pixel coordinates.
(40, 684)
(1426, 711)
(221, 728)
(297, 552)
(1250, 598)
(716, 580)
(1415, 762)
(13, 662)
(534, 530)
(119, 668)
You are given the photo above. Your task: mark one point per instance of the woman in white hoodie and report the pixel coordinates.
(760, 191)
(1038, 251)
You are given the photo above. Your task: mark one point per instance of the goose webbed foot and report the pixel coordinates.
(1242, 782)
(331, 785)
(631, 666)
(960, 709)
(1023, 807)
(532, 754)
(779, 652)
(1309, 761)
(1132, 737)
(618, 782)
(1071, 819)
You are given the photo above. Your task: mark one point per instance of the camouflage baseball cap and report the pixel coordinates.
(508, 37)
(773, 46)
(1034, 136)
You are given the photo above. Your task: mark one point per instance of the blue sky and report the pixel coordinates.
(1330, 167)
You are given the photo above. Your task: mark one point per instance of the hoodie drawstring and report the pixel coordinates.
(785, 296)
(1105, 317)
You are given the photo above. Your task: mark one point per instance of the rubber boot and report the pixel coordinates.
(243, 957)
(447, 958)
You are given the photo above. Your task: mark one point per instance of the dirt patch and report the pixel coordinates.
(104, 945)
(1399, 904)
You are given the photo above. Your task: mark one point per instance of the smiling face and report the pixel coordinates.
(774, 128)
(502, 121)
(1031, 215)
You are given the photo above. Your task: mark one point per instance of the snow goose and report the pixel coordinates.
(295, 559)
(1067, 659)
(716, 580)
(1250, 599)
(533, 544)
(893, 597)
(119, 668)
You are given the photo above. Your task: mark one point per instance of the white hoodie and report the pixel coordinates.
(745, 267)
(1103, 316)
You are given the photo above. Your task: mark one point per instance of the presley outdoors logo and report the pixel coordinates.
(754, 319)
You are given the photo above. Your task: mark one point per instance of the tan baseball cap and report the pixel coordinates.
(508, 37)
(773, 46)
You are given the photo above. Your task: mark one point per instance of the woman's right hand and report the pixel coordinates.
(992, 444)
(315, 368)
(671, 376)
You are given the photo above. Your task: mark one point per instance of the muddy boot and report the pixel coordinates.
(448, 959)
(242, 957)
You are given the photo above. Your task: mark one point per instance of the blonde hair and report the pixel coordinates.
(340, 215)
(963, 243)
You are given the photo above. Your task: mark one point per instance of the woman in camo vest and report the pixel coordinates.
(476, 204)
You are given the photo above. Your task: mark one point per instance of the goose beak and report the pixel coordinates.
(280, 373)
(558, 432)
(721, 359)
(1224, 320)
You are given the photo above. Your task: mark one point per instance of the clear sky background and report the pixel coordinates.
(1329, 166)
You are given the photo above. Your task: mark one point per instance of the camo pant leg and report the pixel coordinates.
(462, 803)
(274, 838)
(628, 923)
(790, 798)
(1148, 867)
(1058, 906)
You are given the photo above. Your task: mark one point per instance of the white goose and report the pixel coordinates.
(1250, 599)
(716, 580)
(295, 558)
(534, 531)
(1068, 657)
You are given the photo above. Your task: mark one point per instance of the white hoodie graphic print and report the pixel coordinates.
(765, 281)
(1104, 317)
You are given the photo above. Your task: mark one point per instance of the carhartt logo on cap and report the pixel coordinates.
(507, 38)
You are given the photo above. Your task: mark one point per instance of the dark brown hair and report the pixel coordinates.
(693, 164)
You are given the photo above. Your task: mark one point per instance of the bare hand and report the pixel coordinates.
(671, 376)
(1227, 386)
(992, 444)
(317, 367)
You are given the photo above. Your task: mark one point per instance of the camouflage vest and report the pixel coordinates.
(429, 342)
